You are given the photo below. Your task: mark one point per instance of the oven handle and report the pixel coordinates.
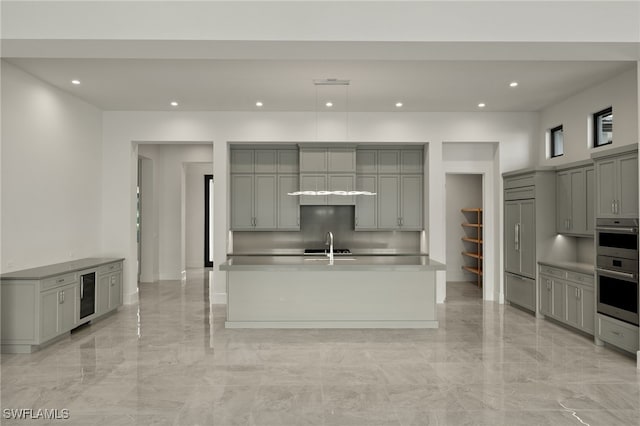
(617, 274)
(631, 230)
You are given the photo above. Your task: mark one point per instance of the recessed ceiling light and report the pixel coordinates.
(259, 104)
(398, 104)
(329, 104)
(174, 103)
(482, 105)
(76, 82)
(513, 84)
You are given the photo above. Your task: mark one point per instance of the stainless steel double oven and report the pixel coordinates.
(617, 268)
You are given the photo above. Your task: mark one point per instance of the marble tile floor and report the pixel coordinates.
(170, 361)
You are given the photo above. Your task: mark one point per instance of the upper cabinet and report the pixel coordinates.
(617, 183)
(396, 176)
(327, 169)
(575, 200)
(260, 182)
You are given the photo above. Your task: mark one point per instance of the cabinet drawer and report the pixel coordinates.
(580, 278)
(548, 270)
(617, 333)
(110, 268)
(59, 280)
(521, 291)
(518, 182)
(520, 194)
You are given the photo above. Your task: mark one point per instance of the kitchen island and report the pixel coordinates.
(350, 292)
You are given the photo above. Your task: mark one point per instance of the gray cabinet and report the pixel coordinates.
(520, 241)
(568, 297)
(617, 185)
(260, 180)
(617, 333)
(109, 290)
(288, 207)
(529, 225)
(327, 169)
(327, 159)
(341, 182)
(253, 201)
(59, 311)
(41, 304)
(313, 182)
(575, 205)
(396, 176)
(366, 211)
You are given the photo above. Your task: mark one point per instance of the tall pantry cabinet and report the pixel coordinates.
(529, 219)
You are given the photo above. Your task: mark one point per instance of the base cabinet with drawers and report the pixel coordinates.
(42, 304)
(617, 333)
(567, 296)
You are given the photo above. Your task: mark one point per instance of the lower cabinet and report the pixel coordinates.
(521, 291)
(568, 297)
(617, 333)
(41, 304)
(59, 311)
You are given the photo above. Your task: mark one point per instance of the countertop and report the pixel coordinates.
(47, 271)
(341, 263)
(582, 268)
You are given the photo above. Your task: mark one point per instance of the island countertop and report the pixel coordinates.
(340, 263)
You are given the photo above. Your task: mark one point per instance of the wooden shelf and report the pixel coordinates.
(474, 255)
(473, 231)
(476, 271)
(472, 240)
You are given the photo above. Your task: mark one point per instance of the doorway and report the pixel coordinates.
(208, 221)
(465, 235)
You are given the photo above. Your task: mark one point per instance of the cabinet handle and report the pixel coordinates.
(613, 206)
(517, 237)
(356, 221)
(617, 333)
(401, 221)
(61, 280)
(60, 293)
(617, 206)
(82, 290)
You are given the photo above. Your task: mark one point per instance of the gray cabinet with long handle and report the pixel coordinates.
(529, 218)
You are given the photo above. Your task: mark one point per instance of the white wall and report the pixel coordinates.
(194, 221)
(512, 131)
(51, 179)
(463, 191)
(150, 250)
(620, 92)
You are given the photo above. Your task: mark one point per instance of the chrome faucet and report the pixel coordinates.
(329, 242)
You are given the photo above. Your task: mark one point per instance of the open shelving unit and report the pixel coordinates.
(473, 242)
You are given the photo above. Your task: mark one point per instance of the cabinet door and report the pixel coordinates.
(115, 290)
(558, 299)
(411, 161)
(521, 291)
(265, 201)
(241, 202)
(341, 160)
(344, 182)
(628, 186)
(411, 202)
(574, 309)
(563, 202)
(605, 187)
(241, 161)
(546, 295)
(102, 294)
(313, 182)
(587, 307)
(389, 161)
(288, 161)
(313, 160)
(68, 310)
(388, 201)
(366, 205)
(49, 302)
(578, 200)
(527, 238)
(265, 161)
(590, 201)
(288, 207)
(366, 161)
(511, 245)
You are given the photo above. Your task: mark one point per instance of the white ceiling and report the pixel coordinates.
(287, 85)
